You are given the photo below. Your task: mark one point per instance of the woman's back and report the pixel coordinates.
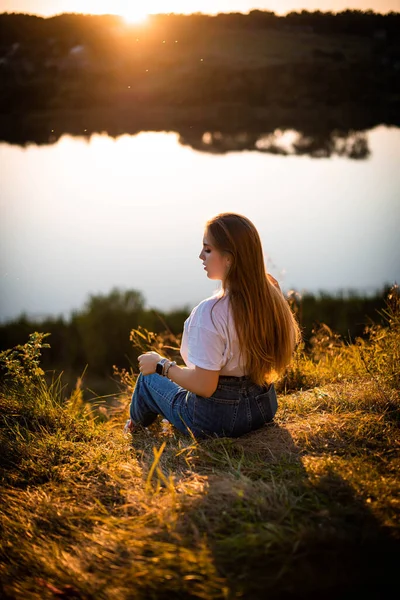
(210, 341)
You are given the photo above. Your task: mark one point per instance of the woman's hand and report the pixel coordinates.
(148, 361)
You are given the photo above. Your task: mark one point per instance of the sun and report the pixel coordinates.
(131, 15)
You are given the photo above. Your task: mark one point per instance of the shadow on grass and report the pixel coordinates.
(279, 529)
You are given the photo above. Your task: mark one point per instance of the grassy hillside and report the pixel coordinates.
(304, 508)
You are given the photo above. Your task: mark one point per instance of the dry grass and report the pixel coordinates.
(306, 506)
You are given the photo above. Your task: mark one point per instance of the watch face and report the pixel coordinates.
(159, 368)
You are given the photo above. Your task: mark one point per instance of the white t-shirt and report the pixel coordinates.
(204, 345)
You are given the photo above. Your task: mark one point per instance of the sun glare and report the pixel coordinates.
(134, 15)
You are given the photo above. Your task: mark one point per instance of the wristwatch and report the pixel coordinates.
(160, 366)
(167, 368)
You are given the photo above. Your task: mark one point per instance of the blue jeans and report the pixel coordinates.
(237, 406)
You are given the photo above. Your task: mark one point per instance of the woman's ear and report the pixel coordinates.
(228, 260)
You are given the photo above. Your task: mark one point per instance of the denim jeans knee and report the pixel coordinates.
(156, 395)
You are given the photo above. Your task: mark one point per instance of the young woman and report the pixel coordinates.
(235, 344)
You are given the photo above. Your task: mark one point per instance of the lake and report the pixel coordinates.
(89, 213)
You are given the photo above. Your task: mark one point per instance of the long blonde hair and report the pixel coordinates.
(266, 327)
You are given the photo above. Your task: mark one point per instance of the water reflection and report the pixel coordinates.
(284, 143)
(273, 132)
(85, 214)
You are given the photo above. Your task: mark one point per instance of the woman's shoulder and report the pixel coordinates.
(215, 303)
(217, 299)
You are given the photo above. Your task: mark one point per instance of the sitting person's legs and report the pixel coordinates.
(156, 395)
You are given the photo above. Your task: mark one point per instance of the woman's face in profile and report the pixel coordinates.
(215, 264)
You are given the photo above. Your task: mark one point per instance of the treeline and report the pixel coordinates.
(80, 61)
(99, 334)
(78, 28)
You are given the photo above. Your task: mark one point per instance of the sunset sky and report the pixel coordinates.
(133, 9)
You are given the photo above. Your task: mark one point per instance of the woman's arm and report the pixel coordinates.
(199, 381)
